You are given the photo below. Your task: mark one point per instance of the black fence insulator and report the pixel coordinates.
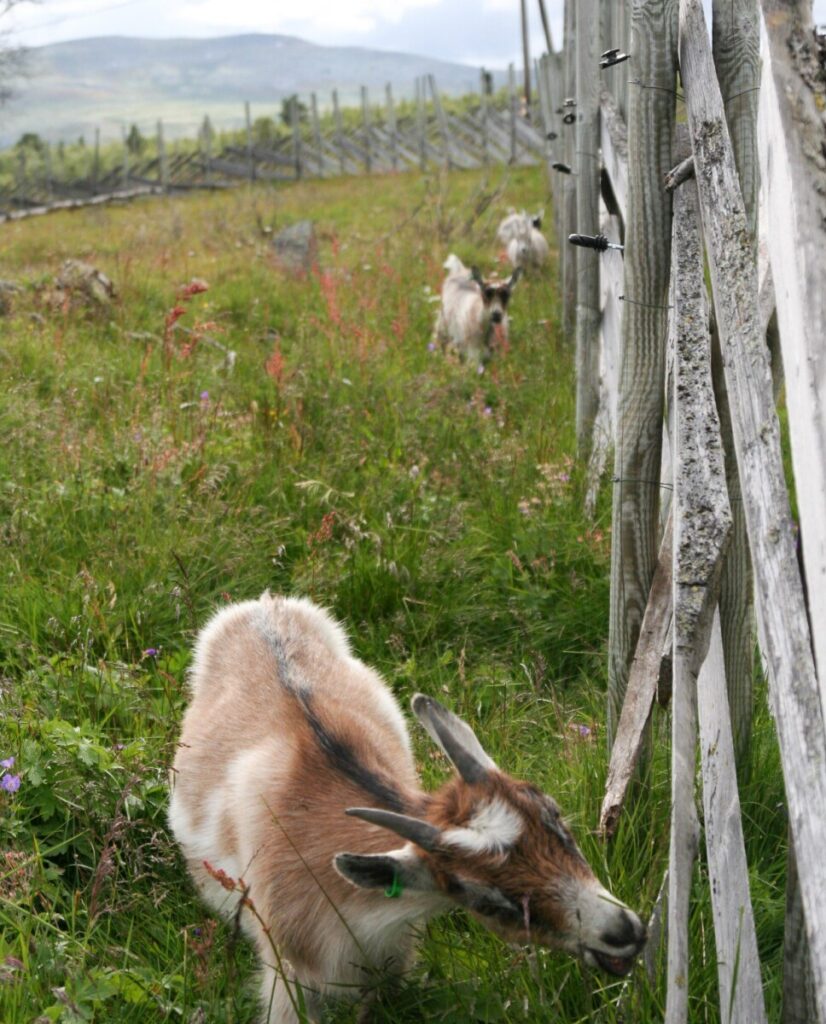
(569, 118)
(569, 101)
(612, 57)
(598, 242)
(562, 168)
(551, 136)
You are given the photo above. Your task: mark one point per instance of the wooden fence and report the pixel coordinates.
(487, 133)
(682, 386)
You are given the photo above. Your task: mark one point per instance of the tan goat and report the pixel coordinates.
(524, 242)
(472, 309)
(289, 746)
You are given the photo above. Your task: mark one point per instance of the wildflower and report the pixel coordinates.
(204, 396)
(151, 652)
(10, 783)
(7, 762)
(431, 346)
(487, 411)
(195, 287)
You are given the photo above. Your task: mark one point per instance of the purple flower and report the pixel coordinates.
(584, 731)
(487, 411)
(431, 346)
(204, 396)
(10, 783)
(7, 763)
(151, 652)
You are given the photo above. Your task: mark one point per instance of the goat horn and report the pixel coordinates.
(417, 831)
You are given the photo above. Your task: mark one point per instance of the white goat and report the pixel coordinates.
(289, 745)
(524, 243)
(472, 310)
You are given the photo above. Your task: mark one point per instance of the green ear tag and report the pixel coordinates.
(396, 888)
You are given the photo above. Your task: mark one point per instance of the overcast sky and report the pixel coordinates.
(469, 31)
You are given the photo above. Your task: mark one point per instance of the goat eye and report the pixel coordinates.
(489, 293)
(505, 295)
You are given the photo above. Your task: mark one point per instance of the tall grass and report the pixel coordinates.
(144, 481)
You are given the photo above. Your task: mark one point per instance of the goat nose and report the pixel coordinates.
(627, 931)
(496, 316)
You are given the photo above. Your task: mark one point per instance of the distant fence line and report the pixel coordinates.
(382, 141)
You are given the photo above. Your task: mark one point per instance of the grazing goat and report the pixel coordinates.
(472, 310)
(524, 243)
(293, 751)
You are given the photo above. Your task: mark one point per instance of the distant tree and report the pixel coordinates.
(32, 142)
(81, 141)
(263, 131)
(135, 142)
(286, 109)
(12, 58)
(207, 132)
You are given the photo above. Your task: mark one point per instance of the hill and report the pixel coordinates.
(73, 87)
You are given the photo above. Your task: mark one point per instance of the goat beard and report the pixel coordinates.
(499, 336)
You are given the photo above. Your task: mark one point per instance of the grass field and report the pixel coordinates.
(144, 481)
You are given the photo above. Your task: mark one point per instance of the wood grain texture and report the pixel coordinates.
(651, 115)
(781, 607)
(587, 222)
(702, 524)
(735, 939)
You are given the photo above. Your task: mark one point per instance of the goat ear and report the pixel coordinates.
(454, 737)
(514, 278)
(394, 871)
(477, 276)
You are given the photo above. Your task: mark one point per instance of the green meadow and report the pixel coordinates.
(183, 446)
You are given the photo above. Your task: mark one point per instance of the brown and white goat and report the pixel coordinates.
(472, 311)
(524, 242)
(293, 751)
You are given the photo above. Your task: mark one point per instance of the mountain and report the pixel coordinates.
(73, 87)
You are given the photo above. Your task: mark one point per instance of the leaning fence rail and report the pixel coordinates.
(663, 343)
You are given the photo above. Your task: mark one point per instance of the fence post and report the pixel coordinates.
(162, 169)
(512, 102)
(339, 131)
(49, 175)
(125, 165)
(587, 222)
(365, 116)
(296, 136)
(567, 222)
(317, 134)
(651, 116)
(736, 38)
(440, 116)
(250, 155)
(206, 149)
(391, 128)
(420, 121)
(483, 113)
(96, 162)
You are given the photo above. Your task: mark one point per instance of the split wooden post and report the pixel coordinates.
(339, 130)
(392, 128)
(484, 115)
(47, 157)
(368, 145)
(206, 149)
(587, 222)
(702, 523)
(297, 155)
(96, 162)
(526, 55)
(420, 123)
(319, 145)
(735, 938)
(163, 173)
(647, 262)
(567, 222)
(248, 133)
(440, 116)
(736, 43)
(125, 165)
(785, 636)
(546, 28)
(512, 102)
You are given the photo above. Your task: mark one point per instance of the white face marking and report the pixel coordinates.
(494, 828)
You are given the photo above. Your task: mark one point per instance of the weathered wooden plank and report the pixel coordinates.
(642, 687)
(781, 607)
(569, 254)
(702, 524)
(651, 116)
(735, 938)
(587, 222)
(614, 142)
(793, 171)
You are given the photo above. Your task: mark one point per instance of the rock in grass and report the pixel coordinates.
(82, 283)
(296, 247)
